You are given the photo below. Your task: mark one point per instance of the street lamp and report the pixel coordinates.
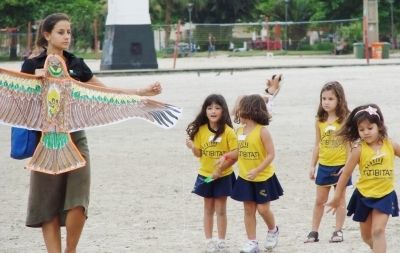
(286, 25)
(392, 24)
(190, 8)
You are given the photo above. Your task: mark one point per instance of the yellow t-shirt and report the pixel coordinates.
(332, 150)
(211, 150)
(252, 153)
(376, 170)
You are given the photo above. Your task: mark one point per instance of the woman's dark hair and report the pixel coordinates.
(369, 112)
(202, 119)
(341, 109)
(253, 107)
(47, 25)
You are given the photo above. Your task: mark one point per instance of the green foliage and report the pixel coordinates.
(81, 12)
(351, 33)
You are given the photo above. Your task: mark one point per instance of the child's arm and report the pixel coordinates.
(189, 143)
(344, 178)
(396, 148)
(225, 161)
(268, 144)
(314, 158)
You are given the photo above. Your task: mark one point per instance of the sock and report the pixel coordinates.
(273, 230)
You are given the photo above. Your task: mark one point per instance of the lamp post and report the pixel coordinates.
(190, 8)
(392, 24)
(286, 25)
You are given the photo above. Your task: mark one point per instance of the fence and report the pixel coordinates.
(321, 35)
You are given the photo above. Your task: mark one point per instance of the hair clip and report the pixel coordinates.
(371, 110)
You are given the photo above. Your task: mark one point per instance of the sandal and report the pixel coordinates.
(337, 236)
(312, 237)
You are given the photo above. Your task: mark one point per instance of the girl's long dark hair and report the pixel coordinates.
(202, 119)
(341, 109)
(349, 130)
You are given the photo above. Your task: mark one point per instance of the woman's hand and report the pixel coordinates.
(151, 90)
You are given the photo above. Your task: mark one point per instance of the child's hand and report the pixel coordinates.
(252, 174)
(189, 143)
(311, 173)
(219, 162)
(332, 205)
(273, 85)
(216, 174)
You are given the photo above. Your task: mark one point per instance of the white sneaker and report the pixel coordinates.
(272, 239)
(222, 246)
(211, 246)
(250, 247)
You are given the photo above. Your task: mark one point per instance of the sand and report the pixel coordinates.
(142, 176)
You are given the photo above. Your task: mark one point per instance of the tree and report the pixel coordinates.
(82, 13)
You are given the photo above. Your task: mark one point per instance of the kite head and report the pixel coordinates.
(55, 66)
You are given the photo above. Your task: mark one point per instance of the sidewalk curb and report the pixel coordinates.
(134, 72)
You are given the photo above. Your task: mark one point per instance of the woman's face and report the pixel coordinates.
(60, 37)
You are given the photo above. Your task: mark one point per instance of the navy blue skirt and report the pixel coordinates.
(361, 206)
(326, 175)
(259, 192)
(217, 188)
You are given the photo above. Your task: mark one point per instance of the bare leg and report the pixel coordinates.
(365, 229)
(74, 224)
(209, 210)
(220, 210)
(340, 214)
(379, 222)
(265, 211)
(250, 219)
(322, 194)
(52, 235)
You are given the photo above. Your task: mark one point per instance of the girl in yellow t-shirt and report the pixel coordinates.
(211, 136)
(330, 152)
(374, 198)
(257, 184)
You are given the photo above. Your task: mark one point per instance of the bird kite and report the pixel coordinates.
(57, 105)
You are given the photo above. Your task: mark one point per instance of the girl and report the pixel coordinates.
(331, 153)
(257, 184)
(374, 198)
(210, 136)
(62, 200)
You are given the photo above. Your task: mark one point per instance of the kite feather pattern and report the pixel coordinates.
(57, 105)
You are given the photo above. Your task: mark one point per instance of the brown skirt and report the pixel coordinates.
(52, 195)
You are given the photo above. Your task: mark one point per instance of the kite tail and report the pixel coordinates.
(56, 154)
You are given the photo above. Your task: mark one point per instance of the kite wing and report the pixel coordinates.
(92, 106)
(20, 99)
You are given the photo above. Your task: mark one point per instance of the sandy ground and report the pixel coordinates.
(142, 175)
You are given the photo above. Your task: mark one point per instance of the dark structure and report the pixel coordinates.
(129, 39)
